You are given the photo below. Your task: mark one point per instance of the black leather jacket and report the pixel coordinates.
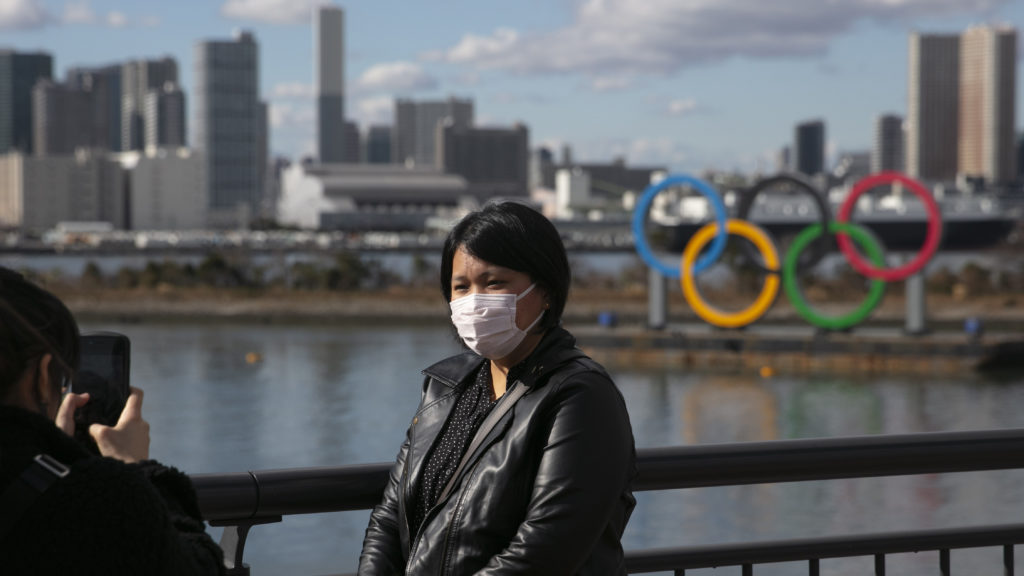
(548, 492)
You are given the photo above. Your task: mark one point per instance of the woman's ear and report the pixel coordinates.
(42, 390)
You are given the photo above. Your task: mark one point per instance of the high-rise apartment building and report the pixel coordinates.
(164, 117)
(809, 146)
(226, 126)
(888, 151)
(104, 84)
(19, 72)
(329, 27)
(988, 65)
(414, 135)
(932, 110)
(137, 79)
(378, 145)
(61, 119)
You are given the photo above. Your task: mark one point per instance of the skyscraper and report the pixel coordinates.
(888, 152)
(164, 117)
(61, 119)
(932, 119)
(19, 72)
(329, 27)
(988, 65)
(226, 124)
(105, 85)
(137, 79)
(809, 143)
(414, 137)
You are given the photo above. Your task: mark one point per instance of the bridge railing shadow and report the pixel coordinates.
(239, 501)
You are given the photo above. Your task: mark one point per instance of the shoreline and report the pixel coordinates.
(997, 312)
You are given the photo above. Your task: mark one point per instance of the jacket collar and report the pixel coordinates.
(556, 348)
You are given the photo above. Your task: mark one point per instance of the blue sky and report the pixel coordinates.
(689, 84)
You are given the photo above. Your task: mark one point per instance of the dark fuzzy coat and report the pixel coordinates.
(104, 517)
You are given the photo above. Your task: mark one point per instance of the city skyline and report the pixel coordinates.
(677, 98)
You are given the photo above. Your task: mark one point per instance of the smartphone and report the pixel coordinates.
(103, 373)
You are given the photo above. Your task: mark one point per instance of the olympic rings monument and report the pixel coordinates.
(914, 349)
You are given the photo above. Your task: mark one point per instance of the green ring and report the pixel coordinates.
(875, 293)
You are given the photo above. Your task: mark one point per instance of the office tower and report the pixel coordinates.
(164, 117)
(378, 145)
(414, 136)
(104, 83)
(61, 119)
(329, 26)
(809, 143)
(226, 125)
(932, 132)
(19, 72)
(888, 151)
(137, 79)
(352, 149)
(988, 65)
(494, 161)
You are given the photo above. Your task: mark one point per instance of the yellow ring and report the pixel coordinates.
(769, 291)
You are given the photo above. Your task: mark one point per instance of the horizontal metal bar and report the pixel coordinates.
(331, 489)
(767, 552)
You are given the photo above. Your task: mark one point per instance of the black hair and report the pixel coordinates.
(33, 323)
(515, 236)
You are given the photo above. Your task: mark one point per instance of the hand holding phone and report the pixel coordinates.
(103, 374)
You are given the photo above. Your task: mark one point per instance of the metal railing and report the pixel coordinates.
(239, 501)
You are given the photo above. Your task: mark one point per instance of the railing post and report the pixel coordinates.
(232, 542)
(1008, 560)
(879, 564)
(944, 562)
(813, 567)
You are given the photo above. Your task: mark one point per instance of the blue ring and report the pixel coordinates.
(640, 214)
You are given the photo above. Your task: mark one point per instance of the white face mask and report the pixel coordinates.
(487, 322)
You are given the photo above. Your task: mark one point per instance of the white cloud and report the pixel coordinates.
(292, 116)
(610, 83)
(624, 38)
(272, 11)
(377, 110)
(681, 106)
(78, 13)
(22, 14)
(287, 90)
(117, 19)
(395, 77)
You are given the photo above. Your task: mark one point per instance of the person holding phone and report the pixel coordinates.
(63, 509)
(520, 457)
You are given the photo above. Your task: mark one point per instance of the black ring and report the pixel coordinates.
(817, 249)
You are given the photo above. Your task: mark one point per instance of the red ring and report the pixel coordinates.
(931, 240)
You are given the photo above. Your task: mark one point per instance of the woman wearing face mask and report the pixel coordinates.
(520, 456)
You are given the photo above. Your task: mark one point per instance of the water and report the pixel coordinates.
(343, 394)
